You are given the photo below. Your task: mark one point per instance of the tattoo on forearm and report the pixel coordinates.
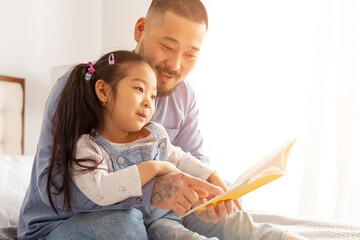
(165, 189)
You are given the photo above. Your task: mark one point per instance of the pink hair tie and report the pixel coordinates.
(91, 69)
(111, 59)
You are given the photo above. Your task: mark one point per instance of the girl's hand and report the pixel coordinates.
(150, 169)
(164, 167)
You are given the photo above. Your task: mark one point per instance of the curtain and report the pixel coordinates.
(330, 185)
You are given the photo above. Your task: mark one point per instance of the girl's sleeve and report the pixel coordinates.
(103, 186)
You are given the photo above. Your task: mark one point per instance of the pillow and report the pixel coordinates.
(14, 180)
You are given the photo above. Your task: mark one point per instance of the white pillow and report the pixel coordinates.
(15, 172)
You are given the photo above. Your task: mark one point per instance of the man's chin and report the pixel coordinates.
(166, 90)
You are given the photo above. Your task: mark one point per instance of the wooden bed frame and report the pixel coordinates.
(14, 149)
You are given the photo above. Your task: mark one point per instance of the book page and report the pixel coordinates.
(268, 169)
(274, 161)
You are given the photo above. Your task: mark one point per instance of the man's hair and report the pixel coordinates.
(192, 10)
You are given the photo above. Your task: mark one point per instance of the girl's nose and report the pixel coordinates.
(147, 102)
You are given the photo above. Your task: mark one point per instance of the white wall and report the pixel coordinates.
(39, 35)
(119, 18)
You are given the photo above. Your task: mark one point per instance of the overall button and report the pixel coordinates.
(162, 146)
(138, 200)
(120, 160)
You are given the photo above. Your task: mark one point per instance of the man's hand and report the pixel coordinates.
(179, 191)
(224, 209)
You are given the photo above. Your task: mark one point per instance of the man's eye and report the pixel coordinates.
(140, 89)
(191, 56)
(166, 47)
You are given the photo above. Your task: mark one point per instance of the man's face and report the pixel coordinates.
(171, 44)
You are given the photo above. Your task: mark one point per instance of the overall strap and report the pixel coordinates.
(109, 149)
(158, 135)
(155, 130)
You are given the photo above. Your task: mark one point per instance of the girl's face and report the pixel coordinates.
(134, 103)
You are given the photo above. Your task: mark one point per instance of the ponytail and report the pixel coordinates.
(78, 112)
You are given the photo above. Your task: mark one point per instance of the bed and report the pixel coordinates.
(16, 171)
(16, 167)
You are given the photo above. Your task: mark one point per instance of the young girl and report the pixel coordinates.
(105, 151)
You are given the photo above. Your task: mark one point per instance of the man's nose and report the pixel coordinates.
(174, 62)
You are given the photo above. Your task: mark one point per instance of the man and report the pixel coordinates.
(170, 38)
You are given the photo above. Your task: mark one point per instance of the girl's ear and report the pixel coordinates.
(102, 90)
(139, 28)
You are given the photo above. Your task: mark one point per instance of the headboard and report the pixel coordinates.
(12, 98)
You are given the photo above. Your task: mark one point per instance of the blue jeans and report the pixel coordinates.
(124, 224)
(129, 225)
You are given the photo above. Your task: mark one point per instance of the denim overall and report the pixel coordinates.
(136, 155)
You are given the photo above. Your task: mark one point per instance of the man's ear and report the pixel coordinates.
(139, 28)
(102, 90)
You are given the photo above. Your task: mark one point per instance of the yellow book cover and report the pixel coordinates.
(266, 170)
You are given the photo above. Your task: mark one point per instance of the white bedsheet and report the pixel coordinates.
(14, 180)
(310, 227)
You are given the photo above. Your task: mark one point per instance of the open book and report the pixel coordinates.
(268, 169)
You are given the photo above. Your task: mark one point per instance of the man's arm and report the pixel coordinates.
(179, 191)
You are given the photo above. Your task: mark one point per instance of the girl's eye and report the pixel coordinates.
(140, 89)
(153, 97)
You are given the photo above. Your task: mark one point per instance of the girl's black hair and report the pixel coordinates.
(78, 112)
